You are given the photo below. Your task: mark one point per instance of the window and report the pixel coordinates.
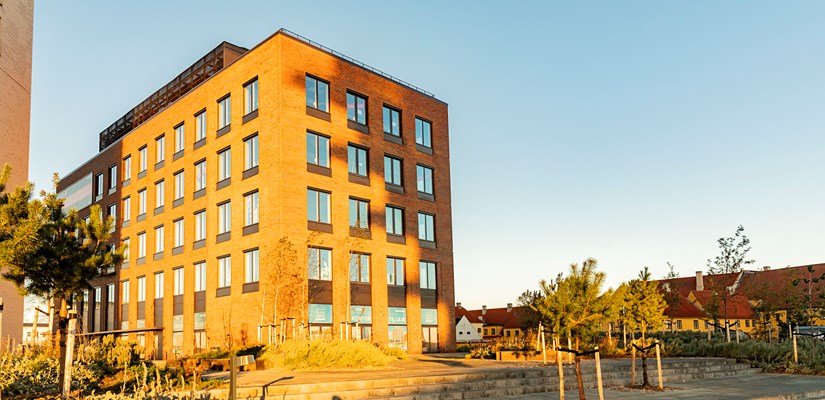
(250, 152)
(113, 177)
(224, 272)
(679, 324)
(250, 97)
(112, 212)
(224, 217)
(126, 250)
(251, 209)
(159, 285)
(359, 214)
(160, 149)
(179, 185)
(423, 133)
(200, 175)
(695, 324)
(124, 292)
(144, 155)
(99, 185)
(395, 220)
(200, 225)
(200, 126)
(127, 208)
(395, 271)
(319, 264)
(127, 168)
(356, 108)
(318, 206)
(427, 274)
(317, 149)
(178, 281)
(392, 121)
(159, 239)
(224, 165)
(160, 196)
(251, 266)
(392, 170)
(426, 227)
(180, 138)
(200, 276)
(357, 160)
(142, 202)
(424, 179)
(141, 288)
(224, 112)
(359, 267)
(178, 234)
(317, 93)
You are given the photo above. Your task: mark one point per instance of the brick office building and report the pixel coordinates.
(246, 147)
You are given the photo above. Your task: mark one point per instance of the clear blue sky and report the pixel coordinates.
(633, 132)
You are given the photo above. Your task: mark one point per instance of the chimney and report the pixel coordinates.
(483, 310)
(700, 282)
(458, 305)
(509, 307)
(766, 268)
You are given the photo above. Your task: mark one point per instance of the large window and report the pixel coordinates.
(356, 108)
(179, 185)
(250, 93)
(200, 225)
(317, 149)
(180, 138)
(159, 284)
(357, 160)
(127, 209)
(159, 239)
(160, 193)
(127, 168)
(224, 165)
(113, 177)
(98, 186)
(395, 271)
(224, 112)
(178, 281)
(392, 170)
(427, 274)
(141, 288)
(224, 272)
(426, 227)
(317, 93)
(359, 214)
(179, 232)
(423, 132)
(142, 202)
(392, 121)
(251, 209)
(224, 217)
(200, 126)
(124, 292)
(318, 206)
(126, 250)
(251, 152)
(424, 179)
(160, 149)
(251, 266)
(359, 267)
(200, 175)
(395, 220)
(200, 276)
(143, 159)
(319, 264)
(141, 245)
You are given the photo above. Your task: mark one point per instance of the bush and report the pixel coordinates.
(303, 355)
(482, 352)
(463, 348)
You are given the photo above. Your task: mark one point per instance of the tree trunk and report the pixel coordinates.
(645, 381)
(60, 326)
(579, 382)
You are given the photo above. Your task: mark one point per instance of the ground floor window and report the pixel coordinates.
(320, 331)
(397, 327)
(361, 332)
(429, 339)
(360, 322)
(200, 332)
(177, 335)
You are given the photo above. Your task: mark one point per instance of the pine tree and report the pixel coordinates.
(645, 307)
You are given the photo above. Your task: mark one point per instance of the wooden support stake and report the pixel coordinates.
(659, 365)
(737, 332)
(599, 375)
(569, 355)
(67, 367)
(543, 348)
(795, 354)
(632, 365)
(561, 368)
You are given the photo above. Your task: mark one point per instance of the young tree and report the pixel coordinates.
(645, 310)
(734, 252)
(671, 272)
(282, 281)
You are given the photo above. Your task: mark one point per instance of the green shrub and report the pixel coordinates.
(482, 352)
(463, 348)
(294, 355)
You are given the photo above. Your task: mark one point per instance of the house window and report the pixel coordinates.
(159, 239)
(427, 274)
(395, 271)
(357, 160)
(224, 217)
(160, 196)
(126, 249)
(426, 227)
(200, 225)
(359, 214)
(356, 108)
(317, 149)
(425, 179)
(224, 272)
(179, 185)
(200, 276)
(113, 177)
(695, 324)
(747, 323)
(159, 285)
(127, 208)
(318, 206)
(141, 288)
(359, 267)
(251, 209)
(678, 325)
(178, 281)
(251, 266)
(317, 93)
(111, 211)
(224, 165)
(124, 292)
(392, 170)
(251, 152)
(395, 220)
(250, 97)
(180, 138)
(142, 202)
(160, 149)
(99, 185)
(392, 121)
(127, 168)
(319, 264)
(423, 133)
(224, 112)
(200, 175)
(179, 232)
(200, 126)
(144, 158)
